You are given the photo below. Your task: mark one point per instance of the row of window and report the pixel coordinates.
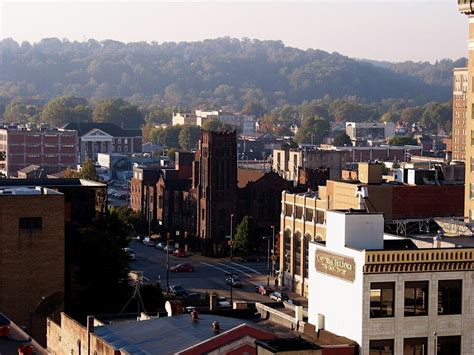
(416, 302)
(448, 345)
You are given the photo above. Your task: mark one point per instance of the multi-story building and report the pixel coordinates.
(370, 130)
(304, 215)
(32, 253)
(391, 295)
(51, 149)
(244, 123)
(104, 137)
(465, 7)
(458, 142)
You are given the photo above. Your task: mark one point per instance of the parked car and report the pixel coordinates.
(263, 290)
(279, 296)
(169, 248)
(182, 268)
(223, 302)
(234, 281)
(160, 246)
(250, 258)
(148, 242)
(130, 253)
(179, 253)
(293, 302)
(178, 291)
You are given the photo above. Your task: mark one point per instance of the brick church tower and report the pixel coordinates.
(217, 188)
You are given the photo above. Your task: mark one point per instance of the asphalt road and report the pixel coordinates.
(209, 274)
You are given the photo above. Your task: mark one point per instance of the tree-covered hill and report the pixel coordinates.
(224, 72)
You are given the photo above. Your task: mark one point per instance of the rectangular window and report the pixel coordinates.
(472, 137)
(471, 190)
(449, 345)
(381, 347)
(309, 214)
(382, 299)
(416, 298)
(472, 164)
(449, 297)
(288, 210)
(299, 212)
(415, 346)
(31, 223)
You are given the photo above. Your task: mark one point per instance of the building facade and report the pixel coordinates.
(464, 6)
(458, 142)
(243, 123)
(391, 295)
(51, 149)
(32, 253)
(370, 130)
(104, 137)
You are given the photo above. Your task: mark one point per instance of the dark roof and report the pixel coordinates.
(287, 344)
(52, 183)
(168, 334)
(83, 127)
(29, 169)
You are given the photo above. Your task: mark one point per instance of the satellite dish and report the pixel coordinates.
(48, 305)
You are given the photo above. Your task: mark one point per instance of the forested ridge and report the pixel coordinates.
(225, 73)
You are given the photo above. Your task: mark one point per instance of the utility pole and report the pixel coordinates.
(268, 260)
(231, 276)
(231, 237)
(167, 262)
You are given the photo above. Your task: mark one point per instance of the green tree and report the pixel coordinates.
(64, 109)
(158, 115)
(437, 116)
(118, 111)
(88, 171)
(18, 112)
(342, 140)
(402, 140)
(217, 126)
(390, 116)
(245, 240)
(312, 130)
(254, 108)
(189, 137)
(411, 114)
(168, 137)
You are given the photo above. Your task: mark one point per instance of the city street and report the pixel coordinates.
(209, 275)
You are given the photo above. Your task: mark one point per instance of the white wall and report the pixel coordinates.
(355, 230)
(340, 301)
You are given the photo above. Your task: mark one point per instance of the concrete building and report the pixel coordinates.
(391, 295)
(104, 137)
(288, 163)
(364, 131)
(32, 253)
(304, 215)
(458, 142)
(243, 123)
(465, 7)
(51, 149)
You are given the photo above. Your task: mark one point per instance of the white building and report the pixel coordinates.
(370, 130)
(392, 295)
(246, 124)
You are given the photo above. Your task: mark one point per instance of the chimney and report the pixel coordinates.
(90, 324)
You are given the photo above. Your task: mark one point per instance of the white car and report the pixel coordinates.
(223, 302)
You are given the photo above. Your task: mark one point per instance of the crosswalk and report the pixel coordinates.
(249, 269)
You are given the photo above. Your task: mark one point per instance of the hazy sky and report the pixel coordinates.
(377, 29)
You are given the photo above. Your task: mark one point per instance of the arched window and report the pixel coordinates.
(78, 346)
(297, 250)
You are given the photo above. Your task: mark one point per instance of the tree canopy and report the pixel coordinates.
(312, 130)
(342, 140)
(118, 111)
(63, 109)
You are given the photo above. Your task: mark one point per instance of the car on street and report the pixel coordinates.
(279, 296)
(180, 253)
(130, 253)
(178, 291)
(223, 302)
(293, 302)
(169, 248)
(182, 268)
(250, 258)
(160, 246)
(263, 290)
(234, 281)
(148, 242)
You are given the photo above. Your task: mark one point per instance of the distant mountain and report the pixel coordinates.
(224, 72)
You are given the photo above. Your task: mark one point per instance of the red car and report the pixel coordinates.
(182, 268)
(180, 253)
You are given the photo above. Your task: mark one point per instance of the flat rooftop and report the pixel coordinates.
(26, 191)
(51, 183)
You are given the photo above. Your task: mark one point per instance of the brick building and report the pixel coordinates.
(104, 137)
(51, 149)
(32, 253)
(458, 143)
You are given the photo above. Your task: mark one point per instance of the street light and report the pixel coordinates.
(268, 260)
(231, 236)
(167, 262)
(231, 276)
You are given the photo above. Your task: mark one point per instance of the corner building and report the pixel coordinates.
(391, 295)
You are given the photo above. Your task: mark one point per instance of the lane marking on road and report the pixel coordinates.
(226, 271)
(239, 270)
(248, 268)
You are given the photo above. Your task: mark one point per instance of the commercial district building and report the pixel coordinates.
(304, 215)
(460, 83)
(391, 295)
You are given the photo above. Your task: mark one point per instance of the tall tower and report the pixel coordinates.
(217, 187)
(460, 82)
(467, 7)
